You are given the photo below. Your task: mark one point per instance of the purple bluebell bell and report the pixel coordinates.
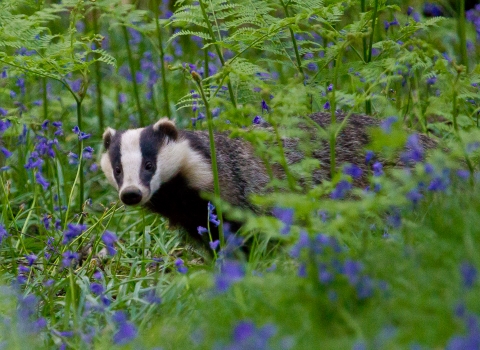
(285, 215)
(3, 233)
(3, 112)
(432, 80)
(469, 274)
(386, 124)
(330, 88)
(96, 288)
(109, 239)
(377, 169)
(88, 152)
(6, 152)
(4, 124)
(181, 268)
(31, 258)
(352, 269)
(257, 120)
(326, 106)
(126, 331)
(414, 196)
(201, 230)
(73, 231)
(231, 271)
(41, 180)
(409, 10)
(353, 171)
(265, 107)
(432, 9)
(341, 189)
(69, 258)
(214, 245)
(414, 151)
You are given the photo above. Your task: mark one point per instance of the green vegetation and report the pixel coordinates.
(333, 266)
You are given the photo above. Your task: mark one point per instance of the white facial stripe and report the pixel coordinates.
(106, 165)
(178, 157)
(131, 158)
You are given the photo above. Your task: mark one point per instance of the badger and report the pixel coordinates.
(167, 170)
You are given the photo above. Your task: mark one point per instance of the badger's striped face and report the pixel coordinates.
(137, 161)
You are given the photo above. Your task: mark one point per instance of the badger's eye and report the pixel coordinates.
(149, 166)
(118, 170)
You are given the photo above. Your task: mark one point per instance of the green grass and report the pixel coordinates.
(391, 267)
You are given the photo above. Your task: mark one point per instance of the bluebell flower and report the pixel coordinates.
(76, 85)
(69, 258)
(394, 220)
(463, 174)
(6, 152)
(326, 106)
(4, 124)
(377, 169)
(438, 184)
(96, 288)
(353, 171)
(369, 156)
(432, 80)
(73, 231)
(231, 271)
(352, 270)
(44, 125)
(285, 215)
(41, 180)
(31, 258)
(84, 136)
(87, 152)
(432, 9)
(469, 274)
(109, 239)
(126, 331)
(3, 112)
(3, 233)
(341, 189)
(409, 10)
(180, 266)
(414, 151)
(201, 230)
(265, 107)
(257, 120)
(214, 244)
(414, 196)
(386, 124)
(330, 88)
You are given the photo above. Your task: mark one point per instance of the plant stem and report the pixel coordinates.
(217, 48)
(294, 41)
(462, 34)
(216, 183)
(333, 117)
(98, 79)
(162, 62)
(141, 118)
(45, 98)
(368, 54)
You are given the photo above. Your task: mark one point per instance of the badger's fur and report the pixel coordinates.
(166, 169)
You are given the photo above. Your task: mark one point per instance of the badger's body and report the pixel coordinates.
(166, 169)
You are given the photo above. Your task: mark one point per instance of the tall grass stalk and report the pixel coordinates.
(141, 117)
(462, 33)
(294, 41)
(98, 78)
(218, 50)
(216, 184)
(333, 117)
(166, 100)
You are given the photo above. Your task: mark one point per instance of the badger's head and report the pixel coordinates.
(138, 161)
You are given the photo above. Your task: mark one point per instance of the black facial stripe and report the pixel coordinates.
(115, 154)
(150, 142)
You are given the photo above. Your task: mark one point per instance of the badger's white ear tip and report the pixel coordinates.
(108, 131)
(163, 121)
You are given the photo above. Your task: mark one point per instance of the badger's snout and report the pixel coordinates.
(131, 195)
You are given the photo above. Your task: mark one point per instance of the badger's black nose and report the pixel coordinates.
(131, 196)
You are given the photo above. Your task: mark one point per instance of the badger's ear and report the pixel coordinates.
(107, 137)
(167, 127)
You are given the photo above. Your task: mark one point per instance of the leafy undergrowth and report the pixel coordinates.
(334, 265)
